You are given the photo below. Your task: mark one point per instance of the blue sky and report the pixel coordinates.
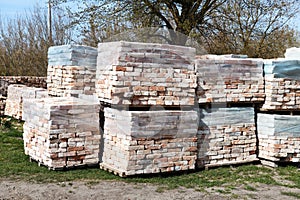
(12, 8)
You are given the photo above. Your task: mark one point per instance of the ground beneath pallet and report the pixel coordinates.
(120, 190)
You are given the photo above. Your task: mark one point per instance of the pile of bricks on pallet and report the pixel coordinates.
(61, 132)
(223, 79)
(279, 138)
(71, 70)
(139, 142)
(226, 136)
(29, 81)
(135, 75)
(2, 105)
(279, 133)
(282, 85)
(16, 95)
(131, 73)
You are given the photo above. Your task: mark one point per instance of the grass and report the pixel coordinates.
(291, 194)
(250, 188)
(14, 164)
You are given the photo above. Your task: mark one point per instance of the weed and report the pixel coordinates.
(160, 189)
(235, 196)
(291, 194)
(223, 191)
(250, 188)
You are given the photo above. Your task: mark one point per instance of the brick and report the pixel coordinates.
(150, 73)
(45, 142)
(224, 134)
(150, 143)
(223, 79)
(278, 136)
(17, 94)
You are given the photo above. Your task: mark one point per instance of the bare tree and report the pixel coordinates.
(255, 28)
(233, 26)
(114, 16)
(24, 42)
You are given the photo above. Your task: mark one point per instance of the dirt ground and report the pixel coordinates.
(128, 191)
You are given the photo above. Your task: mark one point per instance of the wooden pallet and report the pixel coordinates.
(62, 168)
(209, 166)
(275, 164)
(111, 169)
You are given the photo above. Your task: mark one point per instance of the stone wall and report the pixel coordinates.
(30, 81)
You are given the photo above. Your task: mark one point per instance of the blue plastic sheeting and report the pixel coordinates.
(278, 125)
(289, 69)
(226, 116)
(72, 55)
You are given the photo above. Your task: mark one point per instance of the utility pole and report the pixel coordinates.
(50, 23)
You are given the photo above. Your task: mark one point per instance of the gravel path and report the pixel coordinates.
(128, 191)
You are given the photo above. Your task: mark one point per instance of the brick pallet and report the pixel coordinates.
(141, 74)
(72, 55)
(132, 78)
(71, 81)
(282, 85)
(226, 136)
(138, 142)
(71, 70)
(222, 79)
(16, 96)
(61, 132)
(278, 133)
(29, 81)
(2, 105)
(279, 138)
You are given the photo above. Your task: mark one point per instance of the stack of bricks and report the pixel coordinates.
(29, 81)
(61, 132)
(279, 133)
(226, 136)
(17, 94)
(138, 142)
(136, 74)
(71, 70)
(282, 85)
(139, 77)
(222, 79)
(279, 138)
(2, 105)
